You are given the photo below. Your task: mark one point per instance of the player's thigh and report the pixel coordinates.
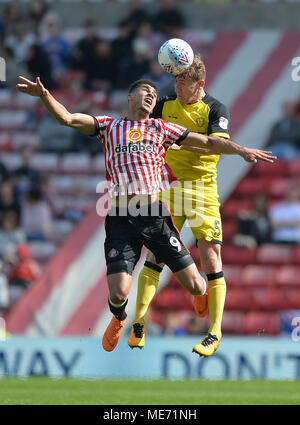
(122, 247)
(210, 256)
(162, 238)
(119, 285)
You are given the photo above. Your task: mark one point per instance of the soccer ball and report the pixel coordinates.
(175, 56)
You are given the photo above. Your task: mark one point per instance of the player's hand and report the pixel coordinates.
(174, 147)
(32, 88)
(254, 155)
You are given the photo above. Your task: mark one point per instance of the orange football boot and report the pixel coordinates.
(201, 305)
(112, 334)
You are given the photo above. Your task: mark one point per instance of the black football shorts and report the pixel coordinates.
(126, 235)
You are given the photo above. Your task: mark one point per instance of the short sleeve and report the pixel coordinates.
(218, 124)
(101, 123)
(174, 133)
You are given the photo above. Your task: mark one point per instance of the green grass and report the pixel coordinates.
(158, 392)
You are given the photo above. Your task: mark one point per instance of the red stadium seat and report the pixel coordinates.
(276, 187)
(233, 322)
(233, 275)
(296, 257)
(248, 187)
(170, 299)
(238, 255)
(232, 207)
(288, 276)
(262, 323)
(229, 229)
(271, 299)
(274, 254)
(239, 299)
(278, 168)
(256, 275)
(294, 167)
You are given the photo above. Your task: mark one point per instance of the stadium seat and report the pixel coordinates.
(274, 254)
(41, 250)
(11, 160)
(45, 162)
(288, 276)
(233, 322)
(258, 323)
(229, 228)
(232, 207)
(247, 187)
(239, 299)
(28, 139)
(294, 167)
(98, 164)
(75, 163)
(5, 141)
(238, 255)
(257, 275)
(296, 257)
(170, 299)
(276, 187)
(278, 168)
(232, 275)
(270, 299)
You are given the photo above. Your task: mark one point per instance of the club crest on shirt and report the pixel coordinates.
(134, 135)
(152, 128)
(200, 121)
(113, 253)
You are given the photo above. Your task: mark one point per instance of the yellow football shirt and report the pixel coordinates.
(208, 116)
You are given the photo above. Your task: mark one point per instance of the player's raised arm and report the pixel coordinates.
(81, 122)
(220, 145)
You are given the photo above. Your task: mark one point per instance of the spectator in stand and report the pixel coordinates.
(38, 64)
(122, 50)
(4, 174)
(172, 325)
(101, 72)
(8, 202)
(169, 20)
(84, 50)
(36, 220)
(162, 79)
(20, 41)
(284, 139)
(137, 14)
(254, 227)
(23, 273)
(12, 17)
(26, 176)
(37, 10)
(285, 218)
(140, 62)
(57, 48)
(10, 233)
(196, 326)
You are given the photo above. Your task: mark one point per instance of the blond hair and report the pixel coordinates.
(197, 70)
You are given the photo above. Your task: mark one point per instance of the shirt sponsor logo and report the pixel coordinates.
(223, 123)
(134, 135)
(135, 147)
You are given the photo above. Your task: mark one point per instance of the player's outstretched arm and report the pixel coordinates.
(81, 122)
(219, 145)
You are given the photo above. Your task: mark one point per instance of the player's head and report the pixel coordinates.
(142, 95)
(190, 84)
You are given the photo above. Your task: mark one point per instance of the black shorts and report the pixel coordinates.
(126, 235)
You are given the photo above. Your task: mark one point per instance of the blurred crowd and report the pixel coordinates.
(35, 44)
(279, 223)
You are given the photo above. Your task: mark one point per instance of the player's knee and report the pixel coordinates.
(117, 296)
(198, 284)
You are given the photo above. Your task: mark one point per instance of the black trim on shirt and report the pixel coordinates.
(97, 127)
(185, 134)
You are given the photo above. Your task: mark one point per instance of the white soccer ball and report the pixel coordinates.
(175, 56)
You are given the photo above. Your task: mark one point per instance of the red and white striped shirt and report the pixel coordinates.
(135, 154)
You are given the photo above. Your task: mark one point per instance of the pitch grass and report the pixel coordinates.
(47, 391)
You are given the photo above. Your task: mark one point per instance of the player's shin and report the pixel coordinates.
(147, 286)
(216, 300)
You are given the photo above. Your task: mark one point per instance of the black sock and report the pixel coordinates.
(118, 312)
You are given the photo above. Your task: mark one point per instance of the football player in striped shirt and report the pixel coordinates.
(136, 171)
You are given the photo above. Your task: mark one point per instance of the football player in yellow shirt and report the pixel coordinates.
(195, 200)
